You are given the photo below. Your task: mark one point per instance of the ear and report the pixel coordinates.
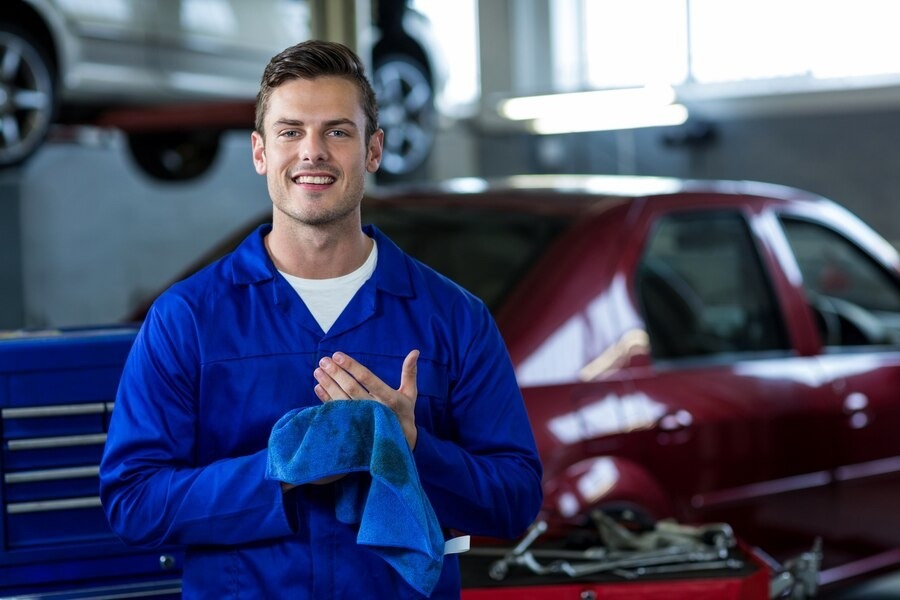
(373, 155)
(259, 152)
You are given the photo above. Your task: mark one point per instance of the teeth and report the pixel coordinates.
(317, 180)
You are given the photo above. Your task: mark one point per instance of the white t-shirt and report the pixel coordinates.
(327, 298)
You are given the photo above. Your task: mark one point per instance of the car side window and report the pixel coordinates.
(856, 302)
(703, 291)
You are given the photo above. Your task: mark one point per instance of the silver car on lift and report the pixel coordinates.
(78, 61)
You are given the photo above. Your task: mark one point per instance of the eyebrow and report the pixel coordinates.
(329, 123)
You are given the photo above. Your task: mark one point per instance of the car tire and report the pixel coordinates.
(28, 96)
(405, 92)
(175, 156)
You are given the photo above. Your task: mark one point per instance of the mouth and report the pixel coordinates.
(320, 179)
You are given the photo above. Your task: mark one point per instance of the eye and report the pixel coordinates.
(338, 133)
(289, 133)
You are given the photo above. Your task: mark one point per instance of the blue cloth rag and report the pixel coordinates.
(394, 515)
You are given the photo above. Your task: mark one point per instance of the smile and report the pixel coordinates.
(314, 179)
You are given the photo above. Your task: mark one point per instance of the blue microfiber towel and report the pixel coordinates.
(395, 517)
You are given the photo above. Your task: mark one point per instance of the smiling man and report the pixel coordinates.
(310, 309)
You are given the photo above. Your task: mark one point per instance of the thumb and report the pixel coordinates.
(408, 374)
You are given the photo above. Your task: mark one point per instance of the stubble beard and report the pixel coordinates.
(313, 216)
(305, 212)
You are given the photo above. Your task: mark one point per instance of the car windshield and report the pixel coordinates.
(485, 251)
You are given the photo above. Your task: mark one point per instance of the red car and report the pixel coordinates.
(708, 351)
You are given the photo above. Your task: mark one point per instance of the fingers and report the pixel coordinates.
(335, 383)
(322, 394)
(363, 378)
(408, 386)
(341, 377)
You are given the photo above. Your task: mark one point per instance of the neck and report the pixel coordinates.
(316, 252)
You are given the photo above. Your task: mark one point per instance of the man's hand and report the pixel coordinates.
(342, 378)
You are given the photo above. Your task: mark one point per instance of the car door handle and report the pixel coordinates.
(855, 407)
(676, 420)
(855, 402)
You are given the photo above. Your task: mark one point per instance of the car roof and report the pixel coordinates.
(574, 193)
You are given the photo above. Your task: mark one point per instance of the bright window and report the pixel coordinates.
(735, 40)
(634, 43)
(454, 28)
(709, 41)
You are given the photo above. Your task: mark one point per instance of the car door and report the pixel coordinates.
(746, 436)
(218, 48)
(106, 49)
(855, 297)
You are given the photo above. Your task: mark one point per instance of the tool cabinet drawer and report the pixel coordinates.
(57, 392)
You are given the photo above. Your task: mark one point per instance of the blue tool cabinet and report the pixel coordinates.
(57, 391)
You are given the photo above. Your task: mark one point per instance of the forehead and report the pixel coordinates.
(322, 98)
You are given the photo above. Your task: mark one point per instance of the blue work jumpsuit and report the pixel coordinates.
(225, 353)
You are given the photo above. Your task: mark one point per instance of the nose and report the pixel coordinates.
(313, 149)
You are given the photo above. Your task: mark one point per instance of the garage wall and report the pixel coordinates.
(98, 238)
(849, 157)
(12, 304)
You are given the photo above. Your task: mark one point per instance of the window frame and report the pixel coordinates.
(769, 292)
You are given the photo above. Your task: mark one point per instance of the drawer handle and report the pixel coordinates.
(52, 474)
(18, 508)
(57, 442)
(57, 410)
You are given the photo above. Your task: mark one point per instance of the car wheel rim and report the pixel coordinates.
(406, 113)
(26, 98)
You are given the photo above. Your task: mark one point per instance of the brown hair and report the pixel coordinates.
(312, 59)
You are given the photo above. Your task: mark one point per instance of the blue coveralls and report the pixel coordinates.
(225, 353)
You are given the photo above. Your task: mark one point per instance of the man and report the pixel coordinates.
(314, 308)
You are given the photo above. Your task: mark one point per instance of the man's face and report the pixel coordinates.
(315, 156)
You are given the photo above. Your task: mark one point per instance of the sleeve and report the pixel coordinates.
(487, 481)
(152, 491)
